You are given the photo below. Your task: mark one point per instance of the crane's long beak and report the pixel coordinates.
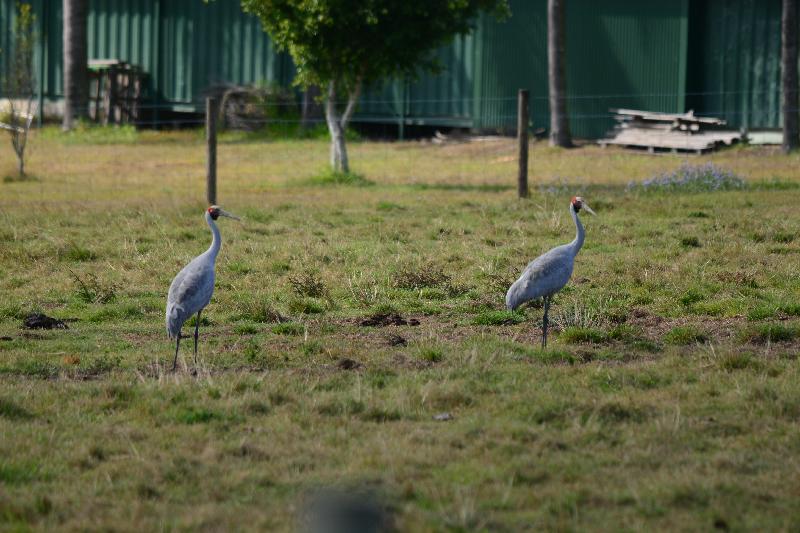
(588, 209)
(229, 215)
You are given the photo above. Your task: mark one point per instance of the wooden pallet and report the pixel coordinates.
(674, 141)
(671, 132)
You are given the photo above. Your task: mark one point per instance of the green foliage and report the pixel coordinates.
(575, 335)
(365, 42)
(762, 311)
(763, 333)
(77, 253)
(498, 318)
(10, 410)
(596, 335)
(430, 353)
(289, 328)
(337, 177)
(421, 275)
(306, 306)
(246, 329)
(738, 361)
(258, 310)
(683, 335)
(342, 46)
(790, 308)
(690, 242)
(19, 81)
(195, 415)
(691, 296)
(90, 289)
(268, 415)
(308, 283)
(86, 133)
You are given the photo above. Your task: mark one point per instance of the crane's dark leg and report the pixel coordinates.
(177, 346)
(196, 335)
(545, 321)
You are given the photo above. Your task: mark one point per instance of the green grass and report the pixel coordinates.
(329, 177)
(683, 335)
(763, 333)
(666, 399)
(498, 318)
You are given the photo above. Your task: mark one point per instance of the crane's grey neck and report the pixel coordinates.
(579, 233)
(216, 241)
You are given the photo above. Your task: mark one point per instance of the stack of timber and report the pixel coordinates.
(673, 132)
(115, 91)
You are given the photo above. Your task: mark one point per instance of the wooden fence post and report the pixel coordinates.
(522, 137)
(211, 150)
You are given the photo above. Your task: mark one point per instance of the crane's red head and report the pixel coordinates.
(579, 203)
(216, 211)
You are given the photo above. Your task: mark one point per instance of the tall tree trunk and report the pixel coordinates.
(556, 60)
(791, 127)
(76, 72)
(337, 125)
(335, 128)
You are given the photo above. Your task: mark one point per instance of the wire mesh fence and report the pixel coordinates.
(163, 158)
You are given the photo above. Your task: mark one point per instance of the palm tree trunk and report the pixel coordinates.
(791, 128)
(76, 72)
(556, 60)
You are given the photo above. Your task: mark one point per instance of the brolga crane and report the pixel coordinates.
(191, 289)
(548, 273)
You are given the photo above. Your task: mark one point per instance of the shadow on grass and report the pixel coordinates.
(330, 177)
(16, 178)
(461, 187)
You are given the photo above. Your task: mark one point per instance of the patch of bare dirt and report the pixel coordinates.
(396, 340)
(347, 364)
(655, 326)
(388, 319)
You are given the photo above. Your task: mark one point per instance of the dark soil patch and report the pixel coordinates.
(42, 321)
(396, 340)
(347, 364)
(6, 338)
(388, 319)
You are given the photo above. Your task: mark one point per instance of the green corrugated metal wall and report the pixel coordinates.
(624, 53)
(734, 69)
(720, 57)
(621, 53)
(183, 45)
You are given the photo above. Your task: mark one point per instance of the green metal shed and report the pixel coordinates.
(719, 57)
(183, 45)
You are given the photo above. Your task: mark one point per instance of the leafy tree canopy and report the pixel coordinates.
(365, 41)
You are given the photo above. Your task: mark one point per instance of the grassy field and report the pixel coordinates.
(668, 398)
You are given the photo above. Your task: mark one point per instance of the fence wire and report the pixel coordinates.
(277, 149)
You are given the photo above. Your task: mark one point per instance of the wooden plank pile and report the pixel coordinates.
(115, 91)
(673, 132)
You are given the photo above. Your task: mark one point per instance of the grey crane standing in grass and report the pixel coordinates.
(548, 273)
(191, 289)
